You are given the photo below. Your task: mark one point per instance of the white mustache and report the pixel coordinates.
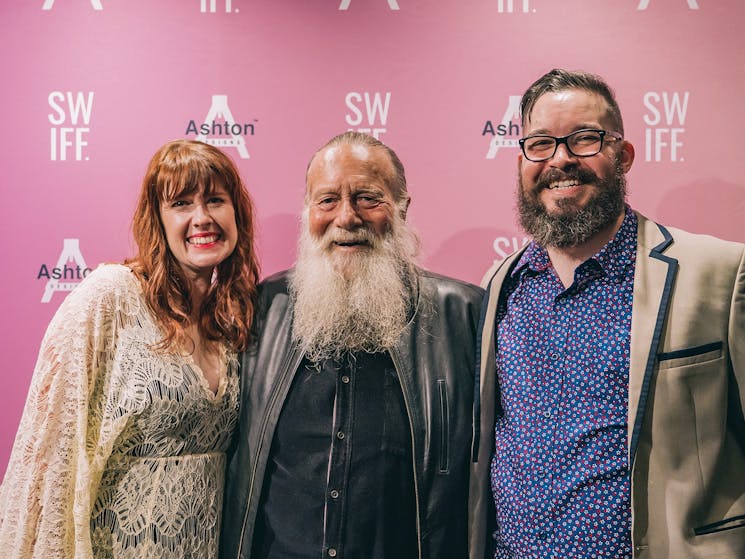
(341, 236)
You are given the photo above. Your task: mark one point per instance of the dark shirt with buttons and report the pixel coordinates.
(339, 480)
(560, 473)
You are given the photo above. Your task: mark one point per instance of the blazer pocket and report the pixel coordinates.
(721, 526)
(690, 355)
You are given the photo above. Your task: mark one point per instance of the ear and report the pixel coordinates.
(627, 155)
(404, 207)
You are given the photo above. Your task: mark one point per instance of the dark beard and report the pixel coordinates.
(573, 227)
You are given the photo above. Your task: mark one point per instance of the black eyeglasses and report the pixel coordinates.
(582, 143)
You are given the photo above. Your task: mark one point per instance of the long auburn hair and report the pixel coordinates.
(186, 167)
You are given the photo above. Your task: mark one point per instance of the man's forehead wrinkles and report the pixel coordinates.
(353, 183)
(351, 189)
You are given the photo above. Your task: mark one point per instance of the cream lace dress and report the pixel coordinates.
(121, 450)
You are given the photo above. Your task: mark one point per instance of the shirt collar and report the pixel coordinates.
(614, 258)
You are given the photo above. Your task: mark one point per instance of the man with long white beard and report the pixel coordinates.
(612, 365)
(357, 393)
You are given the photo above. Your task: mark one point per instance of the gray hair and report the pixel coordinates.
(398, 181)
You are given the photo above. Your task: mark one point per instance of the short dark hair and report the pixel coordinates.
(559, 79)
(398, 181)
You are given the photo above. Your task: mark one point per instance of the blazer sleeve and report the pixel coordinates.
(736, 339)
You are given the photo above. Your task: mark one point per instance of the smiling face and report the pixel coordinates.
(575, 191)
(200, 229)
(349, 202)
(352, 284)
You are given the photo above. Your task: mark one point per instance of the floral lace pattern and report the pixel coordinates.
(121, 450)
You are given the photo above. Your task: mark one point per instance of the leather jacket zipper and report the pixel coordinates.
(442, 392)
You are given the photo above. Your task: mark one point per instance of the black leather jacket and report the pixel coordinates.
(434, 359)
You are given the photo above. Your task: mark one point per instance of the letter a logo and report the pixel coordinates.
(512, 112)
(392, 4)
(212, 8)
(48, 4)
(220, 111)
(644, 4)
(70, 252)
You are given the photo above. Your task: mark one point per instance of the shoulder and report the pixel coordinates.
(444, 288)
(106, 283)
(97, 306)
(501, 267)
(273, 294)
(273, 309)
(274, 289)
(274, 284)
(704, 245)
(687, 247)
(113, 275)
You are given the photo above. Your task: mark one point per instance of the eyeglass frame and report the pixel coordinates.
(558, 140)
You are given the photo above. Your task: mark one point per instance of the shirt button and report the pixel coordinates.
(332, 552)
(547, 414)
(345, 379)
(542, 535)
(334, 494)
(340, 435)
(554, 356)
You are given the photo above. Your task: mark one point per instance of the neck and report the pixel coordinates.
(565, 260)
(198, 289)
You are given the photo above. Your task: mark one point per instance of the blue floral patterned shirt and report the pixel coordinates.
(560, 473)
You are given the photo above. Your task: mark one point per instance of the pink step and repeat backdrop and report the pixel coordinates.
(91, 88)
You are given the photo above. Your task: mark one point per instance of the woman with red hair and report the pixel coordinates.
(121, 447)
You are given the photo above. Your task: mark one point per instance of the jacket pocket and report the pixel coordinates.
(442, 391)
(721, 526)
(690, 355)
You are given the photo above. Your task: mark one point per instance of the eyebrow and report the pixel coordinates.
(581, 126)
(354, 187)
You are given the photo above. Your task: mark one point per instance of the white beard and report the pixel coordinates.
(352, 302)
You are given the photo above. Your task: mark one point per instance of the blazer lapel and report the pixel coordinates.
(485, 397)
(485, 385)
(653, 281)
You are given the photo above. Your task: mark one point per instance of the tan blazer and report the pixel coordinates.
(686, 427)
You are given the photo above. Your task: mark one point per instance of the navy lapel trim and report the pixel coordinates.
(672, 269)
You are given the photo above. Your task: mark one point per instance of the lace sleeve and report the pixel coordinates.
(46, 497)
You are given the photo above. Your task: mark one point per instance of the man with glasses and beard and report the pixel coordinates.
(612, 360)
(356, 415)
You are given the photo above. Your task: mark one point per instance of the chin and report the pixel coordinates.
(342, 262)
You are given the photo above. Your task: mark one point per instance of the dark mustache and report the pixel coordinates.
(584, 176)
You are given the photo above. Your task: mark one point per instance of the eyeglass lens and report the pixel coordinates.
(582, 143)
